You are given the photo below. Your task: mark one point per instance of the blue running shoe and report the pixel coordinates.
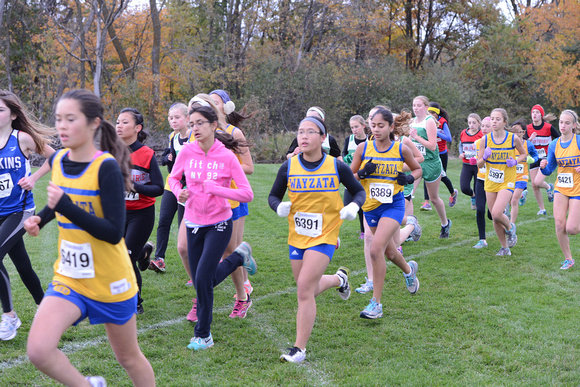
(445, 230)
(198, 343)
(512, 238)
(473, 204)
(245, 250)
(550, 191)
(481, 244)
(366, 287)
(411, 279)
(373, 310)
(567, 264)
(522, 200)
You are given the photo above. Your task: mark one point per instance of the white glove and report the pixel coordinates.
(283, 209)
(349, 211)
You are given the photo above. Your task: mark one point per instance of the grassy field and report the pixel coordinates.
(477, 319)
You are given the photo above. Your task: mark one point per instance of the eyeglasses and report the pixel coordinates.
(192, 125)
(308, 132)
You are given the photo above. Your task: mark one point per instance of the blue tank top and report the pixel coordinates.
(13, 166)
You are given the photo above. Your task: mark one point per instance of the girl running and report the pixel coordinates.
(468, 153)
(497, 153)
(178, 120)
(86, 195)
(315, 213)
(19, 135)
(359, 134)
(379, 164)
(330, 145)
(564, 153)
(244, 288)
(545, 133)
(424, 136)
(210, 166)
(479, 190)
(147, 183)
(443, 137)
(522, 174)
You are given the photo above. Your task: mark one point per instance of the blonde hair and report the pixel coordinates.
(475, 116)
(402, 123)
(360, 119)
(576, 128)
(423, 98)
(179, 106)
(222, 122)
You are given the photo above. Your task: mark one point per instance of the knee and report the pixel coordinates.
(38, 353)
(182, 249)
(128, 360)
(560, 225)
(466, 190)
(377, 254)
(573, 229)
(304, 292)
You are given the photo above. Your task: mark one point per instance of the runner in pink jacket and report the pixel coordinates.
(209, 166)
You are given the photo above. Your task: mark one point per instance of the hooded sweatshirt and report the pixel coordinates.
(208, 177)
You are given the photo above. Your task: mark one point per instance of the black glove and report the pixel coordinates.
(368, 169)
(404, 179)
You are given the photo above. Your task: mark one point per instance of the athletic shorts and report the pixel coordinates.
(240, 211)
(432, 170)
(408, 189)
(569, 197)
(97, 312)
(394, 210)
(297, 254)
(521, 184)
(536, 164)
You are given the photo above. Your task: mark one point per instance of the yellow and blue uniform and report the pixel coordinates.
(314, 217)
(85, 262)
(384, 194)
(566, 157)
(499, 175)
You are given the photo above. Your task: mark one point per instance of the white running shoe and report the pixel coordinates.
(295, 355)
(8, 326)
(366, 287)
(344, 290)
(97, 381)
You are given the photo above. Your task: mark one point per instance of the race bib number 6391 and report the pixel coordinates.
(308, 224)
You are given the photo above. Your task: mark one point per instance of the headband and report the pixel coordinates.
(317, 110)
(223, 95)
(486, 118)
(199, 101)
(540, 108)
(434, 109)
(318, 123)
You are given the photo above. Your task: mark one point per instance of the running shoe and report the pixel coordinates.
(453, 198)
(445, 230)
(189, 283)
(295, 355)
(247, 288)
(522, 200)
(550, 192)
(567, 264)
(8, 326)
(373, 310)
(411, 279)
(473, 205)
(417, 229)
(344, 289)
(146, 258)
(542, 212)
(140, 309)
(192, 315)
(512, 238)
(504, 251)
(241, 308)
(96, 381)
(507, 211)
(366, 287)
(199, 343)
(481, 244)
(337, 246)
(245, 250)
(158, 265)
(361, 235)
(426, 206)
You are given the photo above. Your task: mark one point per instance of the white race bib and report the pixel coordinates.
(496, 175)
(421, 148)
(382, 192)
(470, 154)
(131, 195)
(482, 170)
(565, 180)
(76, 260)
(6, 185)
(541, 153)
(308, 224)
(520, 169)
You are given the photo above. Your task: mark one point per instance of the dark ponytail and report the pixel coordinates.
(138, 118)
(225, 138)
(92, 108)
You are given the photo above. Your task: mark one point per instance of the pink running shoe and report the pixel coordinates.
(241, 308)
(361, 235)
(192, 315)
(248, 288)
(337, 244)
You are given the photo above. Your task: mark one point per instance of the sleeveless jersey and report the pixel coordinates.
(499, 176)
(13, 166)
(429, 154)
(85, 262)
(314, 217)
(140, 173)
(441, 143)
(468, 144)
(568, 158)
(382, 185)
(481, 172)
(174, 138)
(521, 170)
(230, 130)
(352, 145)
(543, 138)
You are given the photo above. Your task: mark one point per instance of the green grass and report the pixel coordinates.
(477, 319)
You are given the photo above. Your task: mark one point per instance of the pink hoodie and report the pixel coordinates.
(208, 177)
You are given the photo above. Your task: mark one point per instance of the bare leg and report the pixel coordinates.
(182, 247)
(536, 188)
(433, 189)
(515, 204)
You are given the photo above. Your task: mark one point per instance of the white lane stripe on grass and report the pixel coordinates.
(74, 347)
